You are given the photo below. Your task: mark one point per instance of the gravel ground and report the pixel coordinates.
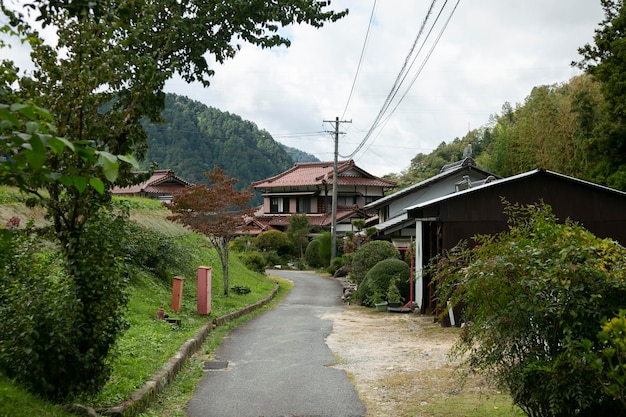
(397, 362)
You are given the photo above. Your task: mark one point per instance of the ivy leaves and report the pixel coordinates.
(28, 140)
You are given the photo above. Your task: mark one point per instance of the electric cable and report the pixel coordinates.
(358, 68)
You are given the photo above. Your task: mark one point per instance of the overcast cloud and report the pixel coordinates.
(492, 52)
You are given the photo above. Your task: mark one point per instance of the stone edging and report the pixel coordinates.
(145, 395)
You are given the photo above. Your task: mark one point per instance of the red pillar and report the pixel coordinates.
(177, 294)
(204, 289)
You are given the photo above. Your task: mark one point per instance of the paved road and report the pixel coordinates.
(279, 364)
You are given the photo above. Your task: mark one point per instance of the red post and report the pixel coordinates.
(204, 289)
(177, 294)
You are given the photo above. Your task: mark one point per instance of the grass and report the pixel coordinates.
(15, 401)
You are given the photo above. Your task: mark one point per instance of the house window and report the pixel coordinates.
(303, 205)
(277, 205)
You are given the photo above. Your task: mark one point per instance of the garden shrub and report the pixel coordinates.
(376, 282)
(534, 297)
(254, 261)
(276, 241)
(369, 255)
(312, 254)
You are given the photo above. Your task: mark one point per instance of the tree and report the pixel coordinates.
(103, 75)
(535, 297)
(605, 60)
(298, 232)
(215, 211)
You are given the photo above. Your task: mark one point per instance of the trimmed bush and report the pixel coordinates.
(369, 255)
(377, 281)
(312, 254)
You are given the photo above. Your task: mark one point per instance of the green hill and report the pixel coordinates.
(194, 138)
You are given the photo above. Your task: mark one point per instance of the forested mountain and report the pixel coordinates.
(299, 156)
(195, 138)
(563, 127)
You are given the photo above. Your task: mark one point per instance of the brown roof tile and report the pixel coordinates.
(318, 173)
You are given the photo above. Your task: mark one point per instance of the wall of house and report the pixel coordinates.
(601, 212)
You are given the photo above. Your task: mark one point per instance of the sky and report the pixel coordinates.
(464, 66)
(491, 52)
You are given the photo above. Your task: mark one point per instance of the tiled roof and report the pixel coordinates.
(318, 173)
(156, 184)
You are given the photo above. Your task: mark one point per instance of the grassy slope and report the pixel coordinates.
(148, 343)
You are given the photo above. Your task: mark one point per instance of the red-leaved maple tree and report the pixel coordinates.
(215, 211)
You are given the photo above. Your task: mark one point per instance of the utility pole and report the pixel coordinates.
(333, 227)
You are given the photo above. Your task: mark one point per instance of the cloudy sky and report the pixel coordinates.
(491, 52)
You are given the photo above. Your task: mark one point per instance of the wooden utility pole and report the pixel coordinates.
(333, 227)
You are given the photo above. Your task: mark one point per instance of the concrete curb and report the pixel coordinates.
(145, 395)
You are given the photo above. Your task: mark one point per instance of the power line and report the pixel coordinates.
(369, 26)
(396, 84)
(419, 71)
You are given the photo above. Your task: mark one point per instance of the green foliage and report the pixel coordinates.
(379, 279)
(369, 255)
(242, 244)
(610, 361)
(312, 254)
(324, 248)
(254, 261)
(532, 296)
(274, 240)
(152, 251)
(60, 327)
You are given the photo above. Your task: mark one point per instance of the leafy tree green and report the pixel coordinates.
(534, 297)
(604, 59)
(369, 255)
(215, 211)
(298, 232)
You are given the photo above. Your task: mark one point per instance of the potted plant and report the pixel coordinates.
(394, 298)
(378, 301)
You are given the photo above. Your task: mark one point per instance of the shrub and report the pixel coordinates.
(535, 296)
(369, 255)
(151, 250)
(61, 317)
(312, 254)
(254, 261)
(274, 240)
(377, 281)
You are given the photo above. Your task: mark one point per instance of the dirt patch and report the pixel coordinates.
(399, 363)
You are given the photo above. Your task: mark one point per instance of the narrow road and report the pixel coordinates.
(279, 364)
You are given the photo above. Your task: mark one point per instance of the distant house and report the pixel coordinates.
(393, 221)
(161, 185)
(307, 189)
(441, 223)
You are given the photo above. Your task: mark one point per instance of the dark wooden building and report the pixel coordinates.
(443, 222)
